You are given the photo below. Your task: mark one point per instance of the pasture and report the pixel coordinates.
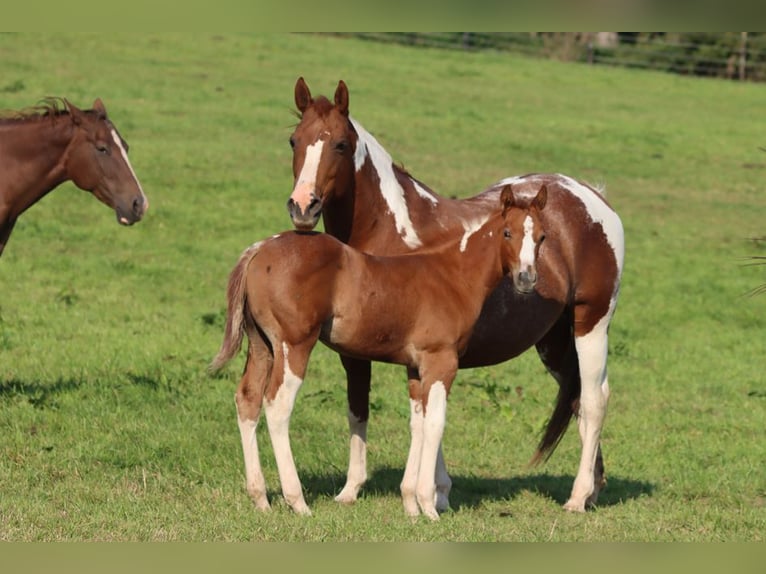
(111, 428)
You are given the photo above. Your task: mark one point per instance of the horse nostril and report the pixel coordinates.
(313, 203)
(138, 205)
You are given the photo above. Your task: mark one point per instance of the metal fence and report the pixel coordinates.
(732, 55)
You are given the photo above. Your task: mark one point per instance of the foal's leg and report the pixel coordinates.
(287, 376)
(409, 481)
(408, 486)
(437, 372)
(594, 396)
(358, 375)
(249, 400)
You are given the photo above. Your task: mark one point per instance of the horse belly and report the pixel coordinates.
(509, 324)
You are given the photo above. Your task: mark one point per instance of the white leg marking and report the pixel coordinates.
(254, 480)
(594, 396)
(357, 460)
(433, 430)
(278, 414)
(410, 478)
(124, 154)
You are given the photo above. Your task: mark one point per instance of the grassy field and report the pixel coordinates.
(110, 428)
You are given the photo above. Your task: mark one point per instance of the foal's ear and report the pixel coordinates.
(506, 197)
(99, 108)
(341, 98)
(541, 198)
(302, 95)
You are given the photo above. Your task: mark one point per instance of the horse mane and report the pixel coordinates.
(52, 106)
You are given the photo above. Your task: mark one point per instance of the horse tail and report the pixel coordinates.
(566, 405)
(235, 315)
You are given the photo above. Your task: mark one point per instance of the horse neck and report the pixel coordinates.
(33, 154)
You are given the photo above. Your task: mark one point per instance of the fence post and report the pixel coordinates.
(742, 55)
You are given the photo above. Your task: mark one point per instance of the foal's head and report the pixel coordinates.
(523, 234)
(98, 162)
(324, 143)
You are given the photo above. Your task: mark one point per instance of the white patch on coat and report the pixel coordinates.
(470, 228)
(599, 212)
(392, 192)
(424, 193)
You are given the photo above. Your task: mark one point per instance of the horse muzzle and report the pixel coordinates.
(134, 214)
(305, 219)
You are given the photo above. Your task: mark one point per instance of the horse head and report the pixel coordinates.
(523, 234)
(97, 161)
(324, 143)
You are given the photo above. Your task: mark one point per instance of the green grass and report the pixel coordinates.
(110, 428)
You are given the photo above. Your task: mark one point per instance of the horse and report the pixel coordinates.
(343, 174)
(46, 145)
(297, 288)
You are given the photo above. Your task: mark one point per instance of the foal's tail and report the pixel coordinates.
(235, 314)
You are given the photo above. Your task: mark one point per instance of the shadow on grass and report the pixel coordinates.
(471, 491)
(39, 395)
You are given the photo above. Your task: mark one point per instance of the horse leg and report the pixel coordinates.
(437, 373)
(286, 378)
(358, 375)
(409, 482)
(594, 397)
(5, 229)
(249, 400)
(443, 483)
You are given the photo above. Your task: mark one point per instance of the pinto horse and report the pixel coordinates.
(345, 176)
(45, 146)
(294, 289)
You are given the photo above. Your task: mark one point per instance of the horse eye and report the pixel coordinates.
(102, 148)
(341, 146)
(507, 233)
(292, 142)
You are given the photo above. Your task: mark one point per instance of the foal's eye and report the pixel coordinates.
(507, 233)
(341, 146)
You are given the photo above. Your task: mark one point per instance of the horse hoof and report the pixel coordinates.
(346, 497)
(573, 506)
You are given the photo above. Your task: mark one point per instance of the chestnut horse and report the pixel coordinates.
(45, 146)
(294, 289)
(343, 174)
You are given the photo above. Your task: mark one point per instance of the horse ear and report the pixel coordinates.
(541, 198)
(302, 95)
(341, 98)
(99, 107)
(74, 112)
(506, 197)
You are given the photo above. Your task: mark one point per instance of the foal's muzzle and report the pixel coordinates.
(525, 281)
(305, 220)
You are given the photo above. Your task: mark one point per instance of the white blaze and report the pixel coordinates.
(124, 154)
(527, 253)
